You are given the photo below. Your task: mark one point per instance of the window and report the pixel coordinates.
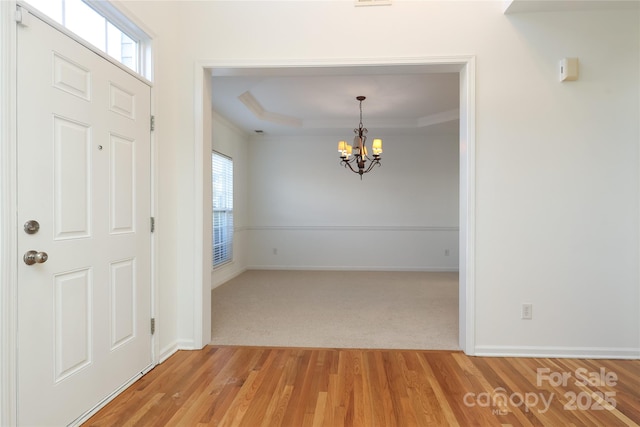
(103, 26)
(222, 167)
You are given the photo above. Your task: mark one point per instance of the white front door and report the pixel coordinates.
(84, 175)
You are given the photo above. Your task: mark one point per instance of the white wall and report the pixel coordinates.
(227, 139)
(557, 204)
(300, 202)
(558, 188)
(316, 214)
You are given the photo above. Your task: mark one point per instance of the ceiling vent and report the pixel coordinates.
(373, 2)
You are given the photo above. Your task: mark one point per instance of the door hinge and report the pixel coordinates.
(153, 325)
(22, 16)
(153, 224)
(152, 124)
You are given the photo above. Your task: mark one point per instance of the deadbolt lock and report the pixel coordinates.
(31, 227)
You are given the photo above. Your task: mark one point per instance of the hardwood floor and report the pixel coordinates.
(253, 386)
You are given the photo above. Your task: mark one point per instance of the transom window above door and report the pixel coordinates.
(104, 27)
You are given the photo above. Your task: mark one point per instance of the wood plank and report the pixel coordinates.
(293, 387)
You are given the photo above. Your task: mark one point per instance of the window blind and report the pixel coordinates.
(222, 167)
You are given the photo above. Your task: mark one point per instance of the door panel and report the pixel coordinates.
(123, 302)
(84, 175)
(122, 185)
(72, 169)
(72, 332)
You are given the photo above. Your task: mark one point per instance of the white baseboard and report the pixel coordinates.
(221, 279)
(558, 352)
(172, 348)
(351, 268)
(167, 352)
(187, 345)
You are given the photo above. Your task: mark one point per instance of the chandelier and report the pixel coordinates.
(357, 154)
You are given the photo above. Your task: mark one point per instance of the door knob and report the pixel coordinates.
(33, 257)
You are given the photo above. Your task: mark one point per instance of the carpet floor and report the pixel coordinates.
(337, 309)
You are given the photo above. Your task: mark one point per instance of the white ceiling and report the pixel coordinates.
(322, 100)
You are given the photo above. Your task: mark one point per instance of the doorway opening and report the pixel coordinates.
(463, 65)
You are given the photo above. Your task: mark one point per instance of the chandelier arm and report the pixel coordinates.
(350, 160)
(372, 164)
(348, 164)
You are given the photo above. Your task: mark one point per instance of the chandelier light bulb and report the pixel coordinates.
(377, 147)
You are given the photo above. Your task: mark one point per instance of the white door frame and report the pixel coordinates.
(8, 214)
(202, 173)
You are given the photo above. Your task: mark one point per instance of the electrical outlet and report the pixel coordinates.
(527, 311)
(446, 252)
(275, 251)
